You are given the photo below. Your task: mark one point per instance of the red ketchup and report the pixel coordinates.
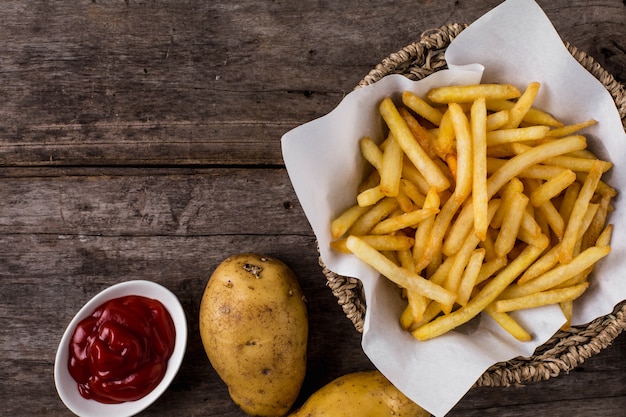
(120, 352)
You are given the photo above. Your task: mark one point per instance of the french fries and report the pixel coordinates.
(411, 148)
(498, 207)
(470, 93)
(480, 198)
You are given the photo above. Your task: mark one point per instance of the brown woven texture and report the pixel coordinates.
(566, 349)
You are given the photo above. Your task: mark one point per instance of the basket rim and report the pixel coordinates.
(567, 348)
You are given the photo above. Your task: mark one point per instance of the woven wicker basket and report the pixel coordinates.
(566, 349)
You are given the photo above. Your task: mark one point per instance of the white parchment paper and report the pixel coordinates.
(514, 43)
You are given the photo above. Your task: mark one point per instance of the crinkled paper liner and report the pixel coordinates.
(566, 349)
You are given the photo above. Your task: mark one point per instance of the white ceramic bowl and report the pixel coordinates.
(65, 384)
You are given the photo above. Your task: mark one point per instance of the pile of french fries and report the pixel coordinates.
(478, 201)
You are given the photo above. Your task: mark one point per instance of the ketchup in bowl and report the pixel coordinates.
(120, 352)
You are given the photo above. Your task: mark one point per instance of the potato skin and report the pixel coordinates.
(254, 329)
(364, 394)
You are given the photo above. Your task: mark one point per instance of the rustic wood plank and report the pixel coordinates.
(140, 140)
(143, 202)
(211, 83)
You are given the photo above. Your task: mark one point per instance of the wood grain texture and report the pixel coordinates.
(152, 83)
(141, 140)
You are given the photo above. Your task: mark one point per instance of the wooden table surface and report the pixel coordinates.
(141, 140)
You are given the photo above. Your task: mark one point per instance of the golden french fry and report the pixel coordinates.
(443, 270)
(497, 120)
(489, 268)
(445, 136)
(604, 239)
(584, 240)
(522, 106)
(420, 134)
(508, 323)
(551, 188)
(583, 153)
(393, 272)
(402, 221)
(522, 134)
(453, 164)
(578, 212)
(406, 318)
(409, 189)
(410, 173)
(553, 218)
(383, 144)
(463, 182)
(432, 310)
(391, 256)
(418, 304)
(488, 245)
(559, 274)
(470, 93)
(567, 307)
(422, 108)
(548, 210)
(391, 168)
(370, 196)
(596, 227)
(404, 201)
(569, 198)
(443, 166)
(440, 226)
(578, 164)
(340, 225)
(529, 224)
(470, 276)
(519, 247)
(532, 156)
(546, 262)
(411, 148)
(371, 180)
(542, 265)
(371, 152)
(519, 148)
(459, 230)
(434, 264)
(459, 263)
(533, 116)
(480, 199)
(541, 299)
(510, 189)
(373, 216)
(570, 130)
(378, 242)
(405, 257)
(424, 227)
(511, 225)
(499, 152)
(541, 171)
(578, 279)
(537, 171)
(527, 239)
(602, 188)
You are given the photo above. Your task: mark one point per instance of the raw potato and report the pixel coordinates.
(363, 394)
(254, 328)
